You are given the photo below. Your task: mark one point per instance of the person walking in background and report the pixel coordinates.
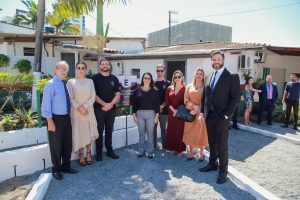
(195, 133)
(290, 99)
(108, 94)
(161, 84)
(175, 128)
(84, 124)
(267, 99)
(249, 92)
(56, 109)
(222, 95)
(145, 101)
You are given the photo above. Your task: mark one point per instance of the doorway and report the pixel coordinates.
(172, 66)
(70, 59)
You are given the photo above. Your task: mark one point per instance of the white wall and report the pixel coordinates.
(126, 45)
(8, 28)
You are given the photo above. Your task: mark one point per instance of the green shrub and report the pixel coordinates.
(24, 66)
(9, 123)
(4, 60)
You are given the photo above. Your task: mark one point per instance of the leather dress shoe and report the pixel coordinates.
(270, 124)
(222, 178)
(235, 127)
(70, 171)
(209, 167)
(284, 126)
(296, 128)
(112, 155)
(57, 175)
(98, 158)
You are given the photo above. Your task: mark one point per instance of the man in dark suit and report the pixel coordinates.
(267, 99)
(222, 95)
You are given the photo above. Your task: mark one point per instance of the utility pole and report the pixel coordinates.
(170, 22)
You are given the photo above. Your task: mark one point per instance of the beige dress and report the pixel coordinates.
(84, 128)
(195, 133)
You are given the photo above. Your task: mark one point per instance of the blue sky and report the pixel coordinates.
(274, 22)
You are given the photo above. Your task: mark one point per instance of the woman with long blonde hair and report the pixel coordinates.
(195, 133)
(174, 98)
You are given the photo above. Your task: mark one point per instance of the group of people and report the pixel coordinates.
(211, 100)
(268, 95)
(77, 113)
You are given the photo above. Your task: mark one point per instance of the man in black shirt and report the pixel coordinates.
(291, 99)
(107, 95)
(161, 84)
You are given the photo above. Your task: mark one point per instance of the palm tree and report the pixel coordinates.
(30, 17)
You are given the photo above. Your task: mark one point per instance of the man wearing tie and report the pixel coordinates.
(267, 99)
(56, 109)
(222, 96)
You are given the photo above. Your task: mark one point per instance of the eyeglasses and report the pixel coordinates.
(147, 78)
(160, 71)
(80, 68)
(177, 77)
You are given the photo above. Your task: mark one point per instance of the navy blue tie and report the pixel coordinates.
(212, 83)
(67, 97)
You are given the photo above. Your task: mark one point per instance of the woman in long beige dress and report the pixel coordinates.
(195, 133)
(84, 124)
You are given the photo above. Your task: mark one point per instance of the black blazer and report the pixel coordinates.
(263, 95)
(225, 97)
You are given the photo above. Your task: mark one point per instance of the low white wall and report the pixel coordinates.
(23, 137)
(28, 160)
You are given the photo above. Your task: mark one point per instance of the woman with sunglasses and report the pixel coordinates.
(195, 133)
(174, 98)
(84, 124)
(145, 101)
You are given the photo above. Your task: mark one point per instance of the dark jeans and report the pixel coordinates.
(269, 106)
(105, 120)
(163, 122)
(289, 105)
(217, 129)
(60, 142)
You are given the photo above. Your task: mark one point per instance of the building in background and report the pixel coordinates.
(191, 32)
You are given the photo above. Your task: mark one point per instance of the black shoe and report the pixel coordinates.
(141, 155)
(258, 123)
(235, 127)
(98, 158)
(209, 167)
(70, 171)
(296, 128)
(284, 126)
(112, 155)
(270, 124)
(222, 178)
(151, 156)
(57, 175)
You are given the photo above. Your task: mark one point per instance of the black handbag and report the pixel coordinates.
(184, 114)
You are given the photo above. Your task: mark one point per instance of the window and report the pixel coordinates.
(28, 51)
(136, 72)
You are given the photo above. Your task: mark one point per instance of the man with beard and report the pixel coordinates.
(222, 95)
(291, 99)
(107, 96)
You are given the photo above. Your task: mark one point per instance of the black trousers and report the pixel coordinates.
(60, 142)
(269, 106)
(289, 105)
(105, 120)
(235, 115)
(217, 129)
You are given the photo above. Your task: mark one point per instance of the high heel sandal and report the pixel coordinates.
(80, 156)
(89, 162)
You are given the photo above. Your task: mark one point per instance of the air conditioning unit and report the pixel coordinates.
(260, 57)
(244, 62)
(117, 68)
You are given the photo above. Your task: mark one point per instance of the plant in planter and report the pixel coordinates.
(8, 123)
(25, 117)
(4, 60)
(24, 66)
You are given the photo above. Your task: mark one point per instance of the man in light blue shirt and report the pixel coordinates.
(56, 109)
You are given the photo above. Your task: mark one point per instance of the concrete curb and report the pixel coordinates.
(40, 188)
(269, 134)
(246, 183)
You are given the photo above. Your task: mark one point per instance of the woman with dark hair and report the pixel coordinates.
(175, 98)
(145, 101)
(84, 124)
(249, 92)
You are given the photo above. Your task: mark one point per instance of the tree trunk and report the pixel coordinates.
(38, 51)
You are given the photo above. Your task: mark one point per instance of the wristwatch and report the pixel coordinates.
(225, 116)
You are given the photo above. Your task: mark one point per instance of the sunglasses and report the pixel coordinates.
(147, 78)
(81, 68)
(160, 71)
(177, 77)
